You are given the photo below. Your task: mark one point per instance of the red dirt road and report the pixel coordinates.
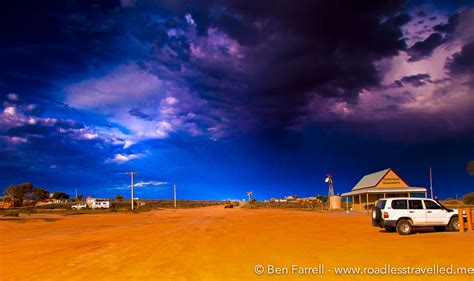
(218, 244)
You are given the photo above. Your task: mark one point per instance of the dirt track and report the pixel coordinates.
(217, 244)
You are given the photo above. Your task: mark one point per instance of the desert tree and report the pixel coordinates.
(60, 195)
(26, 193)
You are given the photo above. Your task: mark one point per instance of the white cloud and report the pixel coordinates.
(13, 140)
(163, 106)
(90, 136)
(190, 20)
(148, 183)
(114, 91)
(171, 100)
(13, 97)
(123, 158)
(10, 111)
(128, 143)
(163, 128)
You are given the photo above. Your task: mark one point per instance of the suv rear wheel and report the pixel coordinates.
(376, 216)
(404, 227)
(454, 224)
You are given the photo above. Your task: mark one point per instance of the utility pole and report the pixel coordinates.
(76, 193)
(174, 191)
(132, 185)
(431, 183)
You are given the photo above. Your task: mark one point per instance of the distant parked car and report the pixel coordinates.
(236, 203)
(100, 205)
(79, 206)
(228, 204)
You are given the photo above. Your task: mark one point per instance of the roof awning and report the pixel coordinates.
(375, 190)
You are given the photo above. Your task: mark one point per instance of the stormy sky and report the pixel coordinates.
(224, 97)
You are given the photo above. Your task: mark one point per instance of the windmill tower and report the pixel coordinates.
(328, 180)
(249, 194)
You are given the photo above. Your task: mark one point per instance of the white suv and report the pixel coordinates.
(79, 206)
(402, 214)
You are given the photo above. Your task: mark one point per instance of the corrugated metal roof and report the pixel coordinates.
(371, 180)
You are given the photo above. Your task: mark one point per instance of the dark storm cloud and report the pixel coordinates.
(138, 113)
(417, 80)
(43, 41)
(422, 49)
(463, 61)
(400, 19)
(448, 27)
(254, 65)
(421, 14)
(293, 50)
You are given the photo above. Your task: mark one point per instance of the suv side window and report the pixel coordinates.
(430, 205)
(399, 204)
(415, 205)
(380, 204)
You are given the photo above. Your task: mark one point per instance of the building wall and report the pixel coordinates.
(360, 206)
(391, 180)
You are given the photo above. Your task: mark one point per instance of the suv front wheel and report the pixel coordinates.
(454, 224)
(404, 227)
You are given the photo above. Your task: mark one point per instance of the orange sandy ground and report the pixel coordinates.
(217, 244)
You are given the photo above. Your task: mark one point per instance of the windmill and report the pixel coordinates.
(249, 194)
(328, 180)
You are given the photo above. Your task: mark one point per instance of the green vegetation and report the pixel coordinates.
(11, 213)
(451, 202)
(309, 205)
(25, 194)
(116, 206)
(60, 196)
(165, 204)
(119, 197)
(469, 198)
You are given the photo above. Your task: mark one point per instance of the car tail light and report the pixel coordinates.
(385, 215)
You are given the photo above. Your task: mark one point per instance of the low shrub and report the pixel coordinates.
(469, 198)
(11, 213)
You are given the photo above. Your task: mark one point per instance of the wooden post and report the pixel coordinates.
(367, 201)
(469, 218)
(461, 220)
(360, 202)
(174, 192)
(384, 195)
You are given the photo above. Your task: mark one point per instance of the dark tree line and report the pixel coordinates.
(25, 194)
